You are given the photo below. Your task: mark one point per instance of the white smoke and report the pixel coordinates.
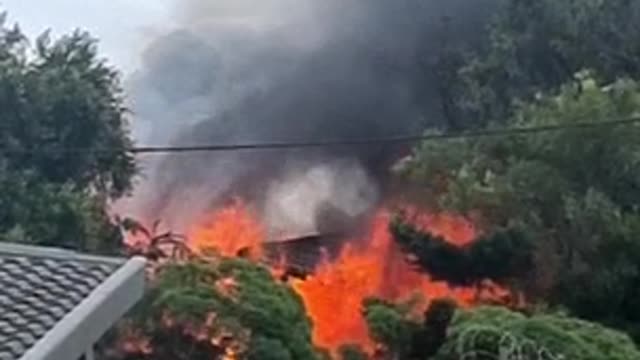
(292, 203)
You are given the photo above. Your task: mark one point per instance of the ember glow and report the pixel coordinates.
(230, 231)
(369, 267)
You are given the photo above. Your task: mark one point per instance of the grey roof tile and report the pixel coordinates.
(37, 291)
(45, 319)
(37, 329)
(13, 346)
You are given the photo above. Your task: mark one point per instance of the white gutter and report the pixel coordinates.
(80, 329)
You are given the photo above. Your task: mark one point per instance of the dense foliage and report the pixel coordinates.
(505, 254)
(498, 333)
(64, 142)
(236, 303)
(41, 213)
(402, 334)
(492, 333)
(537, 46)
(574, 193)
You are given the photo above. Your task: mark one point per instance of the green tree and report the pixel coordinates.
(233, 302)
(537, 46)
(573, 194)
(428, 340)
(40, 213)
(504, 255)
(64, 137)
(351, 352)
(404, 335)
(59, 96)
(391, 325)
(493, 332)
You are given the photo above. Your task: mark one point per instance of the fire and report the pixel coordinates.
(370, 267)
(455, 229)
(230, 231)
(334, 295)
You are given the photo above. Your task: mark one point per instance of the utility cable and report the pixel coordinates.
(337, 142)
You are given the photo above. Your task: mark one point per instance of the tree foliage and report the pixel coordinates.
(505, 254)
(41, 213)
(537, 46)
(492, 333)
(351, 352)
(231, 303)
(391, 325)
(558, 211)
(573, 193)
(59, 96)
(498, 333)
(402, 334)
(64, 142)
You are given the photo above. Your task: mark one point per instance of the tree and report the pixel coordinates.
(428, 340)
(572, 194)
(402, 334)
(220, 306)
(498, 333)
(537, 46)
(41, 213)
(391, 325)
(65, 144)
(351, 352)
(59, 96)
(488, 332)
(500, 257)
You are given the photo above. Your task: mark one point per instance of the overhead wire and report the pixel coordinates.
(333, 142)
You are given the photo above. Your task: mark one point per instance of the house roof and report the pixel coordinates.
(55, 304)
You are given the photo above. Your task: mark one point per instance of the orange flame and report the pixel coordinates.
(229, 231)
(334, 295)
(370, 267)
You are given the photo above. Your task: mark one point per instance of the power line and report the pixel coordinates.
(343, 142)
(387, 140)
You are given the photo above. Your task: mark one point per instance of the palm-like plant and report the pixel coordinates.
(156, 246)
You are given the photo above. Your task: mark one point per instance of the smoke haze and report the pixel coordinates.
(244, 71)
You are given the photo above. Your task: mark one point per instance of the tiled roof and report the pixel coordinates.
(40, 288)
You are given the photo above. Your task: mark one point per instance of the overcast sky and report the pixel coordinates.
(123, 26)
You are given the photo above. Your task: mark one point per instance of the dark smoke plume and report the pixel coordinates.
(289, 70)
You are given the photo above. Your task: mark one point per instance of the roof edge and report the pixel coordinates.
(80, 329)
(55, 253)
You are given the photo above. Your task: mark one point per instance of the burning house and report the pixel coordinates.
(317, 70)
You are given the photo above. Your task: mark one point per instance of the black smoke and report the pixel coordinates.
(307, 70)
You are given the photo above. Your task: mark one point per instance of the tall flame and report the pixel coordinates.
(230, 231)
(334, 295)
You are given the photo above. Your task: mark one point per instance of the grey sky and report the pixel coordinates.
(123, 26)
